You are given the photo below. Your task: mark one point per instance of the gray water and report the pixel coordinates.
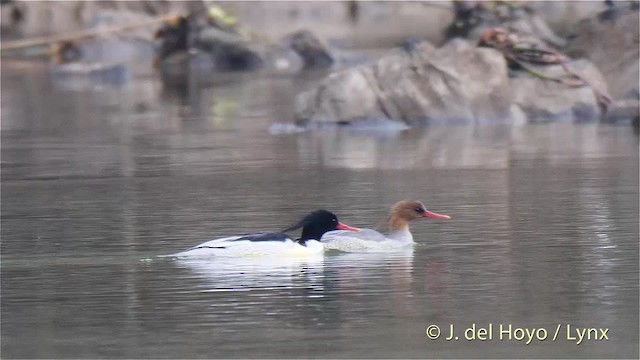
(99, 180)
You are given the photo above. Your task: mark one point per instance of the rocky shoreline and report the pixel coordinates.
(469, 63)
(521, 78)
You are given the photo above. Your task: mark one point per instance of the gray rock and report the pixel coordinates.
(548, 100)
(624, 111)
(313, 53)
(459, 43)
(613, 46)
(461, 84)
(562, 16)
(281, 59)
(457, 83)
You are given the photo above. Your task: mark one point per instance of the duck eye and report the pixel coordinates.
(419, 210)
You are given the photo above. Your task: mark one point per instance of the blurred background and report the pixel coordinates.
(132, 129)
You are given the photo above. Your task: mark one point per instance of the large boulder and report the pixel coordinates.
(624, 111)
(611, 40)
(612, 44)
(460, 84)
(542, 99)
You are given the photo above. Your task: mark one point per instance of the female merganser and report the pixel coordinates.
(398, 235)
(313, 227)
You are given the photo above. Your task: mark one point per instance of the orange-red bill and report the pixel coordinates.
(342, 226)
(433, 215)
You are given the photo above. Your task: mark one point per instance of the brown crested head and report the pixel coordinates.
(407, 210)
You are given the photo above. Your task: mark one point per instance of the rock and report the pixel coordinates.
(548, 100)
(612, 45)
(281, 59)
(229, 51)
(184, 47)
(547, 85)
(457, 83)
(343, 97)
(210, 37)
(302, 50)
(562, 16)
(310, 49)
(460, 84)
(536, 26)
(236, 58)
(624, 111)
(459, 43)
(472, 19)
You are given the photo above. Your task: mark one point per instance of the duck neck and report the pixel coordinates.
(399, 230)
(397, 224)
(308, 234)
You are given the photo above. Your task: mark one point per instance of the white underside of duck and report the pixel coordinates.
(367, 240)
(253, 245)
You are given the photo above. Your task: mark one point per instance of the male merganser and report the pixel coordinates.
(398, 235)
(313, 227)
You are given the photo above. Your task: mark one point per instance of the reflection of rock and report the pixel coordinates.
(437, 147)
(545, 100)
(460, 147)
(178, 65)
(79, 75)
(462, 84)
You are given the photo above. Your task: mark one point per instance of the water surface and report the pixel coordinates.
(98, 181)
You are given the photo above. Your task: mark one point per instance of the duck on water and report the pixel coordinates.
(314, 226)
(397, 236)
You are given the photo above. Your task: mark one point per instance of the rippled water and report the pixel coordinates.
(97, 181)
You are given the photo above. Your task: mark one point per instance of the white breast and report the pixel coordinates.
(367, 240)
(230, 247)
